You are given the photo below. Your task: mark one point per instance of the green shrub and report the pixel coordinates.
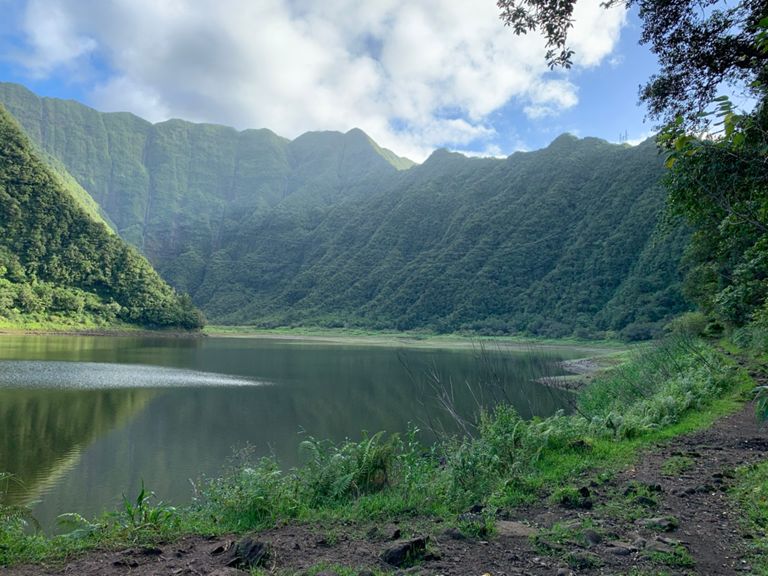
(691, 324)
(251, 496)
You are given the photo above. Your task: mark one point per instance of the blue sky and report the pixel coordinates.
(414, 74)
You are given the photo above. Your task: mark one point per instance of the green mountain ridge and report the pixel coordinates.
(457, 243)
(60, 264)
(329, 229)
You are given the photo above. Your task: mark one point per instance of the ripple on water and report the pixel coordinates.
(98, 375)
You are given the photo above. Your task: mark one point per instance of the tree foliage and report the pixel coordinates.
(720, 186)
(700, 45)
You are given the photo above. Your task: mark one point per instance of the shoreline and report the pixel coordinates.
(417, 340)
(343, 338)
(117, 332)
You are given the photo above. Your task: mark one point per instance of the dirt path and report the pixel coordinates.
(697, 496)
(669, 514)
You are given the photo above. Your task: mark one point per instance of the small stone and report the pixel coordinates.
(620, 548)
(645, 501)
(659, 547)
(513, 529)
(405, 552)
(592, 537)
(250, 553)
(662, 523)
(454, 533)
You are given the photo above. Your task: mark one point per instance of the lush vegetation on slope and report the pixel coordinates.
(324, 230)
(58, 264)
(553, 242)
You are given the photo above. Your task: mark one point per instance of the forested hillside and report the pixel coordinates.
(552, 242)
(329, 229)
(57, 263)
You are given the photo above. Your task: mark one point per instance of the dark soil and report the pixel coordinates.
(668, 514)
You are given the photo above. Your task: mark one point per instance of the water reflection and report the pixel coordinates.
(42, 432)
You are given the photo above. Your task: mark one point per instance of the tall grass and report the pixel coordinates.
(656, 387)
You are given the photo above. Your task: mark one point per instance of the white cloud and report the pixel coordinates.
(550, 97)
(141, 100)
(414, 74)
(490, 151)
(595, 32)
(51, 32)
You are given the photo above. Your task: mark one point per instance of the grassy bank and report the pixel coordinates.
(660, 392)
(414, 338)
(51, 327)
(68, 325)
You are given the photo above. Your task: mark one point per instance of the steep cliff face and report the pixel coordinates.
(57, 262)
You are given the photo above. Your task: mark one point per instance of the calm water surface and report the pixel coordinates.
(86, 419)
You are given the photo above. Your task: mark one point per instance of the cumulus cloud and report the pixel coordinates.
(52, 34)
(414, 74)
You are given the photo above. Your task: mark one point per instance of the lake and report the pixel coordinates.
(85, 419)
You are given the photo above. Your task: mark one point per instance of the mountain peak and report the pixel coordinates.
(564, 140)
(442, 155)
